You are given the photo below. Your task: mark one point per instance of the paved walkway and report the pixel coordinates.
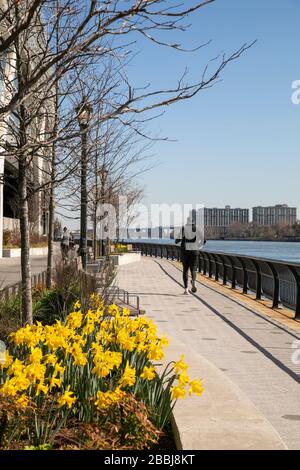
(10, 269)
(252, 350)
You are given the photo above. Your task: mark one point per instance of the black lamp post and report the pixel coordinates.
(84, 112)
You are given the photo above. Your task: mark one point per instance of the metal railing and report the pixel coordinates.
(98, 270)
(115, 292)
(271, 279)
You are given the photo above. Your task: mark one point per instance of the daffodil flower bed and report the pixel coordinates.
(94, 374)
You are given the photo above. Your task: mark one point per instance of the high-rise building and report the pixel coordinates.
(216, 217)
(273, 215)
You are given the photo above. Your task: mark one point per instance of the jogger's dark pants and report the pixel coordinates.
(190, 262)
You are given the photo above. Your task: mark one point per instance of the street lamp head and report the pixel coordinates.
(84, 113)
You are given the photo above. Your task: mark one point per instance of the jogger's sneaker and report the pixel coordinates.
(186, 292)
(194, 288)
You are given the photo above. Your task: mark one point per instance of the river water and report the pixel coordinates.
(283, 251)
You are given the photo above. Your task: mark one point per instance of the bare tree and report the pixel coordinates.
(42, 43)
(89, 28)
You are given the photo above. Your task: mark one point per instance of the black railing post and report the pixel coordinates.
(200, 259)
(245, 275)
(297, 280)
(204, 264)
(258, 279)
(276, 285)
(209, 265)
(224, 271)
(233, 273)
(216, 267)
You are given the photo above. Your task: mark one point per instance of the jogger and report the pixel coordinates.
(191, 241)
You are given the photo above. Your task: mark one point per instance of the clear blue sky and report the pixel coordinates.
(239, 142)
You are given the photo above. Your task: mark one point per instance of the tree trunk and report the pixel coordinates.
(95, 232)
(53, 169)
(21, 71)
(25, 244)
(51, 224)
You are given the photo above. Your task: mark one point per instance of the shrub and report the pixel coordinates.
(126, 427)
(68, 285)
(12, 239)
(119, 248)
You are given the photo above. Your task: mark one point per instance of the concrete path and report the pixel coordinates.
(251, 350)
(10, 269)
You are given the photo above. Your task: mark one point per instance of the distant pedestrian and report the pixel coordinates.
(72, 241)
(191, 241)
(65, 244)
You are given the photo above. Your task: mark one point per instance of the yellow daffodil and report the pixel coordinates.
(21, 382)
(41, 388)
(35, 371)
(180, 365)
(51, 359)
(177, 392)
(126, 312)
(106, 399)
(77, 305)
(58, 369)
(183, 379)
(36, 355)
(196, 387)
(148, 373)
(74, 320)
(129, 376)
(155, 353)
(125, 341)
(80, 360)
(163, 341)
(66, 399)
(113, 310)
(16, 367)
(22, 401)
(8, 389)
(55, 382)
